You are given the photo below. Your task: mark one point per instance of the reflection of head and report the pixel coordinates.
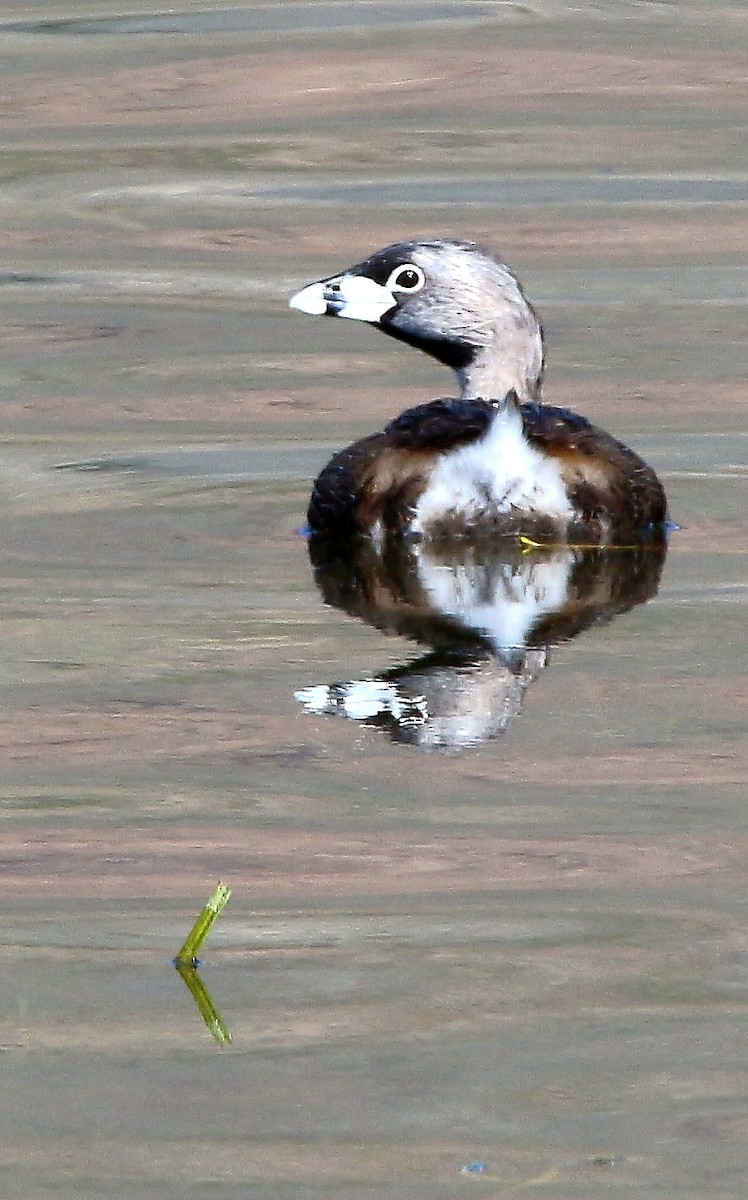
(440, 701)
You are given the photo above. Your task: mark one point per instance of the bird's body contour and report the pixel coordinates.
(494, 461)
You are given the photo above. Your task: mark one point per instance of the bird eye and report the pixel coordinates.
(406, 279)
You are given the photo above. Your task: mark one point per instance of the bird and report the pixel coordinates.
(494, 461)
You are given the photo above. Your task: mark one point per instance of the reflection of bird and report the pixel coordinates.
(465, 597)
(489, 611)
(494, 461)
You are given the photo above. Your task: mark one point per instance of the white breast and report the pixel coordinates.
(499, 474)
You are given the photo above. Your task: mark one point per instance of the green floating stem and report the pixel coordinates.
(217, 901)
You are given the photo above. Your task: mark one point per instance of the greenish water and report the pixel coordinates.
(529, 954)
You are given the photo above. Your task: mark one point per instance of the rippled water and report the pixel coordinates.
(519, 966)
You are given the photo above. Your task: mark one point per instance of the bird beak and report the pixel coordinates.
(352, 296)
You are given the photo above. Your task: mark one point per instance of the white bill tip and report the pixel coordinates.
(310, 300)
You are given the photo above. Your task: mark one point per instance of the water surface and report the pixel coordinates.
(530, 954)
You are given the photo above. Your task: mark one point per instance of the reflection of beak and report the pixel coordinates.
(351, 296)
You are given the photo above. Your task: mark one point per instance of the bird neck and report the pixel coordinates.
(507, 357)
(491, 377)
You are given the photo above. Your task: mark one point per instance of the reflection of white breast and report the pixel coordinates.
(498, 474)
(505, 603)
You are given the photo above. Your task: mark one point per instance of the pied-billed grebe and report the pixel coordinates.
(495, 460)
